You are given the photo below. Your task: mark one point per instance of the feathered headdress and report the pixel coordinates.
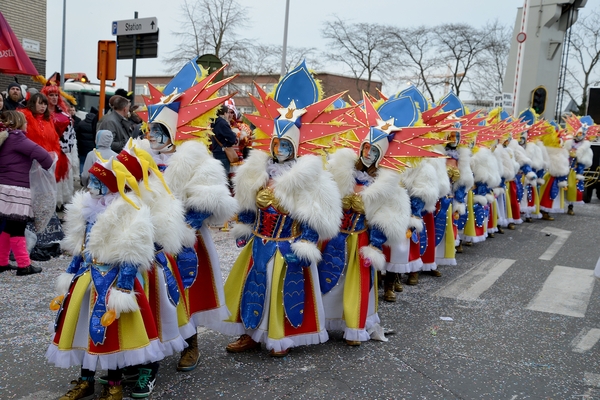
(115, 176)
(139, 162)
(583, 125)
(187, 104)
(297, 112)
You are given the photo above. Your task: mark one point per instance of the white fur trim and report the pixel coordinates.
(490, 198)
(240, 230)
(531, 176)
(249, 178)
(464, 167)
(311, 196)
(584, 154)
(387, 205)
(559, 161)
(480, 199)
(545, 155)
(580, 177)
(416, 223)
(199, 180)
(422, 182)
(375, 255)
(485, 167)
(541, 181)
(74, 225)
(123, 234)
(307, 250)
(63, 282)
(122, 302)
(443, 186)
(520, 154)
(535, 154)
(460, 208)
(563, 184)
(498, 191)
(341, 165)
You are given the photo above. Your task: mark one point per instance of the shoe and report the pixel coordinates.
(570, 210)
(413, 278)
(459, 248)
(244, 343)
(528, 219)
(189, 356)
(111, 393)
(500, 230)
(468, 244)
(547, 217)
(352, 342)
(130, 377)
(82, 389)
(389, 295)
(490, 235)
(281, 353)
(435, 273)
(145, 384)
(4, 268)
(511, 226)
(398, 284)
(28, 270)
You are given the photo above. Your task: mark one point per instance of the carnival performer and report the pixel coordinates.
(376, 211)
(288, 202)
(65, 131)
(552, 191)
(530, 203)
(524, 175)
(580, 156)
(104, 318)
(179, 119)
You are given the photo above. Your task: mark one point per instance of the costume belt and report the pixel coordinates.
(161, 261)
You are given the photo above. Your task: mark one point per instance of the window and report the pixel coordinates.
(141, 89)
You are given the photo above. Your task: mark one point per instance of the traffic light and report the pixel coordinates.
(538, 99)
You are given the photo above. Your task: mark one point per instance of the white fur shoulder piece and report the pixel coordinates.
(559, 161)
(74, 225)
(387, 205)
(535, 154)
(584, 153)
(123, 234)
(464, 167)
(249, 178)
(439, 164)
(485, 167)
(199, 180)
(520, 154)
(341, 165)
(310, 195)
(422, 181)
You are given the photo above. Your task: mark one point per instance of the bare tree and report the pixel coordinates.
(460, 46)
(208, 26)
(487, 76)
(362, 47)
(584, 55)
(419, 60)
(259, 59)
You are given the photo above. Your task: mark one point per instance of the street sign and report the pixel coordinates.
(507, 100)
(137, 26)
(146, 46)
(497, 100)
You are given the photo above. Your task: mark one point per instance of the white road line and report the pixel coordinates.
(561, 238)
(566, 291)
(470, 285)
(586, 339)
(591, 379)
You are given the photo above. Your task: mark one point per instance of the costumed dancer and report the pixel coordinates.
(552, 192)
(580, 156)
(530, 203)
(288, 202)
(104, 318)
(376, 211)
(524, 175)
(179, 118)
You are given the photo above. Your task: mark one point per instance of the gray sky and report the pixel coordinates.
(86, 25)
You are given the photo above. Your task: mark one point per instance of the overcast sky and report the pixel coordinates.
(87, 24)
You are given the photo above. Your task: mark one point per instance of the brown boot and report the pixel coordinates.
(570, 210)
(500, 230)
(83, 388)
(435, 273)
(398, 284)
(388, 287)
(511, 226)
(459, 248)
(111, 393)
(547, 216)
(244, 343)
(189, 356)
(413, 278)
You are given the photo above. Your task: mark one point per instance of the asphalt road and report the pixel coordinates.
(517, 318)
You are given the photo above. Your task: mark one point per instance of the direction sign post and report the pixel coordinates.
(136, 38)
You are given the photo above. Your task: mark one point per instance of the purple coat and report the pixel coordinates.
(16, 154)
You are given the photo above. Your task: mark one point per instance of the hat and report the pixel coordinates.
(13, 84)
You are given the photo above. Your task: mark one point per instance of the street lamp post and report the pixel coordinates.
(285, 32)
(62, 53)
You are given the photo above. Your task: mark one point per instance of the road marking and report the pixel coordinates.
(561, 238)
(566, 291)
(470, 285)
(586, 339)
(591, 379)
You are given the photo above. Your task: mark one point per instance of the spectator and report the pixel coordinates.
(86, 133)
(16, 155)
(14, 97)
(104, 139)
(1, 103)
(116, 121)
(223, 136)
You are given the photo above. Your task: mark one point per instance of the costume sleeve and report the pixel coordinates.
(526, 168)
(75, 264)
(196, 218)
(126, 278)
(377, 237)
(460, 194)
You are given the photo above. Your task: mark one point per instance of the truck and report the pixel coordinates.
(86, 93)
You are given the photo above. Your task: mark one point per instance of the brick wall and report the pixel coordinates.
(27, 19)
